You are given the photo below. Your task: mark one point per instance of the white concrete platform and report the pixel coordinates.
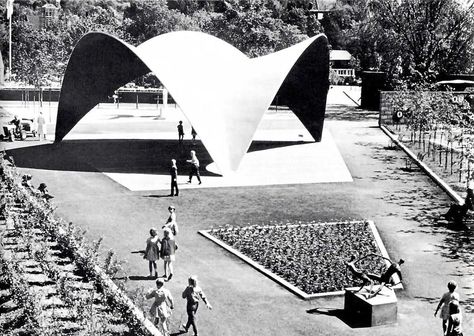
(297, 164)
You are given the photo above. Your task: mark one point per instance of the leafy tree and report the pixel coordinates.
(36, 53)
(40, 55)
(3, 29)
(256, 27)
(146, 19)
(307, 23)
(430, 37)
(341, 19)
(250, 27)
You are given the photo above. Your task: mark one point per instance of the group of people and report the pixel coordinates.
(194, 161)
(180, 128)
(165, 248)
(384, 279)
(41, 191)
(449, 303)
(40, 123)
(450, 311)
(164, 304)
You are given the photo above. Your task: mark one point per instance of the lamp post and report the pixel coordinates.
(9, 16)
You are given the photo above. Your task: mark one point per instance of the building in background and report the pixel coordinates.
(340, 61)
(48, 13)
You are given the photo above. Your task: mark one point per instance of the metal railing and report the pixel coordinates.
(345, 72)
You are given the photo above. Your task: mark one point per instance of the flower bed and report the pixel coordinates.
(310, 256)
(50, 281)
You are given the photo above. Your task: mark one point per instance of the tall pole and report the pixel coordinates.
(10, 46)
(9, 16)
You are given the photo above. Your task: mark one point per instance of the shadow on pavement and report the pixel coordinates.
(423, 205)
(339, 313)
(157, 196)
(177, 333)
(141, 277)
(120, 156)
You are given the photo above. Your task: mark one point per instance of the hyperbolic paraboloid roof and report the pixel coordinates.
(222, 92)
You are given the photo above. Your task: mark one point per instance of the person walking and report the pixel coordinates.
(171, 223)
(174, 178)
(41, 127)
(194, 167)
(167, 253)
(180, 132)
(192, 293)
(161, 308)
(193, 134)
(447, 297)
(152, 251)
(455, 320)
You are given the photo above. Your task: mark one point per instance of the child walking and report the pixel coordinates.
(447, 297)
(161, 307)
(192, 293)
(152, 251)
(167, 251)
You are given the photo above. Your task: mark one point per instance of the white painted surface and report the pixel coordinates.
(222, 92)
(297, 164)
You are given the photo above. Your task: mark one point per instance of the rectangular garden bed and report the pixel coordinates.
(307, 259)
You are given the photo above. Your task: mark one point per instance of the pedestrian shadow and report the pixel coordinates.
(141, 277)
(157, 196)
(339, 313)
(427, 299)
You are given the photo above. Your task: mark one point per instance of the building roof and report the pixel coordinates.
(222, 92)
(325, 4)
(339, 55)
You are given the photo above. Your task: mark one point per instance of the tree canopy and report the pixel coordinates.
(414, 41)
(427, 37)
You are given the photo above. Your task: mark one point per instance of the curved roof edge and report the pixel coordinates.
(223, 93)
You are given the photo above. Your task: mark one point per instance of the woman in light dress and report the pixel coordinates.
(171, 223)
(152, 251)
(161, 308)
(447, 297)
(41, 126)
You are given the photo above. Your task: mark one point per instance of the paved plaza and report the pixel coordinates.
(110, 184)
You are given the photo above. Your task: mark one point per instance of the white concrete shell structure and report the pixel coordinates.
(222, 92)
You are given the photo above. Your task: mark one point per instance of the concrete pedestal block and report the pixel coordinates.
(379, 310)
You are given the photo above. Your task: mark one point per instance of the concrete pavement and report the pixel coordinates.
(404, 206)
